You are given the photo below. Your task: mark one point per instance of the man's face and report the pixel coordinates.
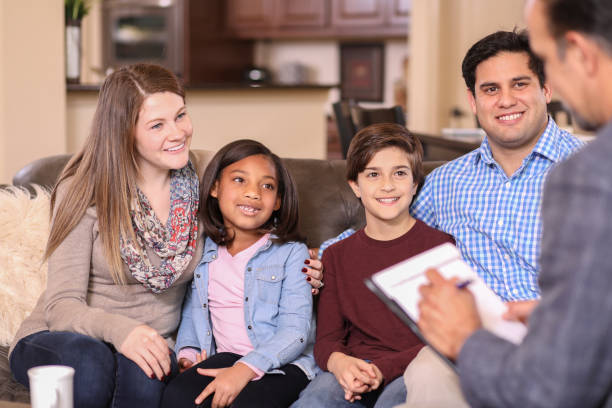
(560, 72)
(509, 102)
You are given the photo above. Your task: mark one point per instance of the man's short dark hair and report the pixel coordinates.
(591, 17)
(493, 44)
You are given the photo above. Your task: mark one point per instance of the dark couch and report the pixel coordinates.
(327, 207)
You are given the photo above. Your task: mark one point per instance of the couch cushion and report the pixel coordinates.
(327, 204)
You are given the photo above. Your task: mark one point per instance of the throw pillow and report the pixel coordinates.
(23, 237)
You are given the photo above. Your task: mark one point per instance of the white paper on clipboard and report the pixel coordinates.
(400, 284)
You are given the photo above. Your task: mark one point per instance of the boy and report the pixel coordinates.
(361, 344)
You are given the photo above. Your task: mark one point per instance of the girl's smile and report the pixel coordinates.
(247, 192)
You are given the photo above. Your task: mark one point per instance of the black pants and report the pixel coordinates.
(271, 391)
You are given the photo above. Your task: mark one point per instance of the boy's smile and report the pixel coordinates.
(386, 188)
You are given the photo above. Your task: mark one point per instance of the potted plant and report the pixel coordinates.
(74, 11)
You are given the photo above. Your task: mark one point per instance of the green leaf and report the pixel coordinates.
(76, 9)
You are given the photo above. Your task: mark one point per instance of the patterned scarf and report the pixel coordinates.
(174, 243)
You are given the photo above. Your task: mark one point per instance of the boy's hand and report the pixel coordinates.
(227, 384)
(185, 364)
(379, 377)
(351, 396)
(363, 388)
(354, 375)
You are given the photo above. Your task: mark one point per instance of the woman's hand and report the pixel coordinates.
(184, 363)
(144, 346)
(227, 384)
(314, 271)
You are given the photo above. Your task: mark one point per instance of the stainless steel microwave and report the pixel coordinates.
(143, 31)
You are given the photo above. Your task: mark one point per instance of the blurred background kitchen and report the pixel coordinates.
(263, 69)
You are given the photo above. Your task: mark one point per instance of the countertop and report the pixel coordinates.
(218, 86)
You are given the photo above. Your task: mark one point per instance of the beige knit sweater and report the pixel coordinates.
(81, 296)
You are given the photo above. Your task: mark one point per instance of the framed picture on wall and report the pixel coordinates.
(362, 71)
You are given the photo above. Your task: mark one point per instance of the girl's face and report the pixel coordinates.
(163, 134)
(247, 191)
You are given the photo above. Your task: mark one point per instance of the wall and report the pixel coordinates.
(323, 60)
(91, 57)
(32, 85)
(441, 33)
(291, 122)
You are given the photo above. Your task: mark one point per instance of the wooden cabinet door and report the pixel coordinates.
(399, 12)
(249, 14)
(301, 13)
(357, 13)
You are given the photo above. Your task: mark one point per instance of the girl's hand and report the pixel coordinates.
(144, 346)
(227, 384)
(185, 364)
(314, 271)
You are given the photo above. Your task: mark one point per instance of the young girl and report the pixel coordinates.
(122, 248)
(248, 314)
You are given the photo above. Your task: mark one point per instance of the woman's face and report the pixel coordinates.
(163, 134)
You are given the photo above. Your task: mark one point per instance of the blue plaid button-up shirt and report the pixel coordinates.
(495, 219)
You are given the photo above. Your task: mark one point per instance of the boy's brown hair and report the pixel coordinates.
(369, 140)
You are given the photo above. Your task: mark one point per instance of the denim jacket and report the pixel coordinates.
(277, 309)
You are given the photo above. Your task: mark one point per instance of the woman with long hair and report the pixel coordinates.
(123, 246)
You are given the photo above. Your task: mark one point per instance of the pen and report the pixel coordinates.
(464, 284)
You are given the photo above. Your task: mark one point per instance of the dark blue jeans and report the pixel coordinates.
(103, 377)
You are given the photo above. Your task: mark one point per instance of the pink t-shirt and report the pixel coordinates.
(226, 302)
(226, 298)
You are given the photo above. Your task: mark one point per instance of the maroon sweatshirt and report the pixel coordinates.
(350, 318)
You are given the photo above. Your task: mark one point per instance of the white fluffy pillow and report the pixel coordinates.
(24, 230)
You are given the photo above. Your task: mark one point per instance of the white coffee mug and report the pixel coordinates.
(51, 386)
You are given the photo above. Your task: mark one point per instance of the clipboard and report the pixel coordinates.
(397, 286)
(404, 317)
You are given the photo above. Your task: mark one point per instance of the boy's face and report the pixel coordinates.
(386, 187)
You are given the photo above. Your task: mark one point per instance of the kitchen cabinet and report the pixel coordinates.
(304, 19)
(212, 56)
(301, 13)
(186, 36)
(247, 15)
(358, 13)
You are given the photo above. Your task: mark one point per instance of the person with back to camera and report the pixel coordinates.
(361, 344)
(247, 319)
(123, 245)
(565, 360)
